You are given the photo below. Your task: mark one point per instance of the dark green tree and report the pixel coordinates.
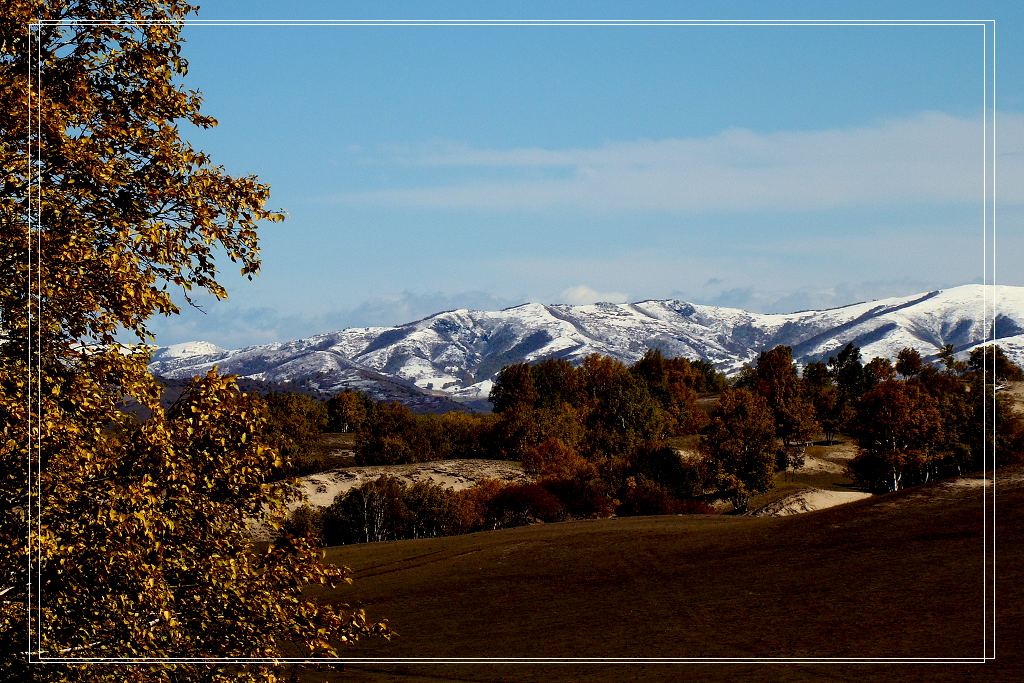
(947, 354)
(514, 388)
(848, 372)
(673, 383)
(712, 381)
(908, 363)
(295, 422)
(993, 362)
(622, 413)
(556, 382)
(876, 371)
(820, 388)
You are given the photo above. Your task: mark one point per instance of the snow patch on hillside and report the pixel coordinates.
(188, 350)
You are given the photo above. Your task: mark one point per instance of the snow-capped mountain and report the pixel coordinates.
(457, 353)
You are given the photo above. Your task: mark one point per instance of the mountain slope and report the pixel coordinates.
(456, 353)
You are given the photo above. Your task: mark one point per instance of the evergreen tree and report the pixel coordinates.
(908, 363)
(993, 362)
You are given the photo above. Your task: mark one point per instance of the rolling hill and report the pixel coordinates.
(898, 576)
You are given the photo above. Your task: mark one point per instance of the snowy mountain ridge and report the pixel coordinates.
(457, 353)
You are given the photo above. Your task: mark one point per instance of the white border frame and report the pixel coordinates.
(988, 269)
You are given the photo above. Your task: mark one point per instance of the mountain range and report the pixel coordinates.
(454, 355)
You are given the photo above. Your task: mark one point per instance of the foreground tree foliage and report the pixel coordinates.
(140, 530)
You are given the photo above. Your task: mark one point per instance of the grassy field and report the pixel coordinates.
(893, 576)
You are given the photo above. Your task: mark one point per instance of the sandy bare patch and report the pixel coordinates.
(812, 464)
(808, 500)
(321, 489)
(688, 455)
(838, 452)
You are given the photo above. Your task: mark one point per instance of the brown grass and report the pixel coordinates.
(894, 576)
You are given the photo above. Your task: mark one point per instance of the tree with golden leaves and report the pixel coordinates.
(140, 531)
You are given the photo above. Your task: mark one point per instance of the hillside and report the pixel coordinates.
(455, 354)
(896, 576)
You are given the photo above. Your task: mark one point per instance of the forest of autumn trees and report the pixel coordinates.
(601, 437)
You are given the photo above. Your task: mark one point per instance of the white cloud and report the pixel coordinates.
(927, 158)
(406, 306)
(582, 294)
(780, 299)
(232, 325)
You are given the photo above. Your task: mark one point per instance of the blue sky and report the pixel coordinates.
(771, 168)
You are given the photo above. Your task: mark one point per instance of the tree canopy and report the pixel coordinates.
(740, 443)
(777, 381)
(991, 359)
